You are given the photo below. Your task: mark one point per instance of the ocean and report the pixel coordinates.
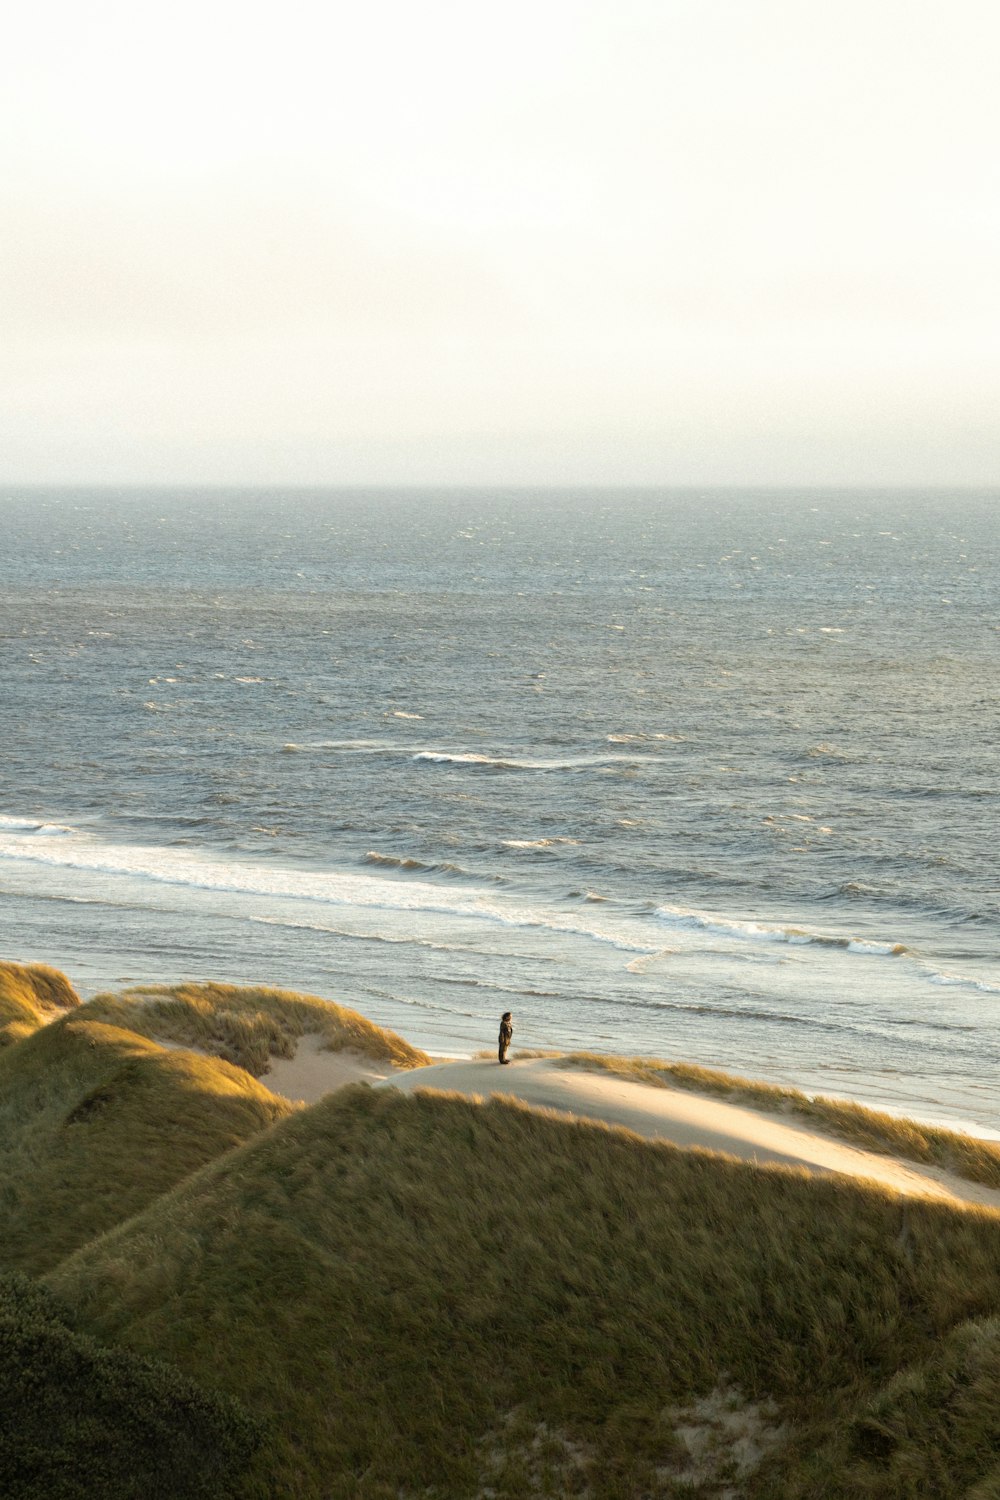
(697, 775)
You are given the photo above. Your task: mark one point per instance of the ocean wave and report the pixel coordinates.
(641, 964)
(407, 862)
(759, 932)
(824, 751)
(471, 758)
(378, 746)
(465, 758)
(33, 827)
(631, 739)
(395, 861)
(853, 888)
(537, 843)
(961, 981)
(170, 866)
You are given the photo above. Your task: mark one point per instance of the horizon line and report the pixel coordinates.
(484, 486)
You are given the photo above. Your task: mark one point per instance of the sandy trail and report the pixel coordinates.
(690, 1119)
(315, 1071)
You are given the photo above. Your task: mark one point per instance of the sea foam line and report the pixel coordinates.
(677, 916)
(471, 759)
(32, 826)
(181, 868)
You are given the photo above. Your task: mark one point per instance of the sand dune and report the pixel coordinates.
(690, 1120)
(686, 1119)
(315, 1070)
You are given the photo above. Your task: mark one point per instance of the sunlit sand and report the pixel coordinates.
(684, 1118)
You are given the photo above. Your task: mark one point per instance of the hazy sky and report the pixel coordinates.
(548, 242)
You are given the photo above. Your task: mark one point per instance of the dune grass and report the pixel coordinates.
(95, 1122)
(30, 994)
(429, 1296)
(247, 1026)
(966, 1156)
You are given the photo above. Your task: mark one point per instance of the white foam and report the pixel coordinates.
(181, 867)
(630, 739)
(731, 927)
(34, 828)
(337, 888)
(961, 981)
(433, 755)
(523, 763)
(536, 843)
(447, 757)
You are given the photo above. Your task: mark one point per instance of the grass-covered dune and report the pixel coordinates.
(871, 1129)
(97, 1122)
(102, 1113)
(249, 1025)
(30, 994)
(427, 1296)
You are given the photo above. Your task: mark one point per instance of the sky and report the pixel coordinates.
(448, 242)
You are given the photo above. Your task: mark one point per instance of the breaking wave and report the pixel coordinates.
(408, 863)
(471, 758)
(962, 981)
(537, 843)
(31, 826)
(730, 927)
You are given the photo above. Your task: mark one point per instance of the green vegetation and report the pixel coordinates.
(79, 1421)
(29, 996)
(422, 1297)
(96, 1122)
(430, 1296)
(248, 1026)
(977, 1161)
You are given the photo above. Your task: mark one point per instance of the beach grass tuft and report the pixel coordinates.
(30, 995)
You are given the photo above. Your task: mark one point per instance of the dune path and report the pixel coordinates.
(689, 1120)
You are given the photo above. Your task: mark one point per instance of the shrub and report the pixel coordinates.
(78, 1420)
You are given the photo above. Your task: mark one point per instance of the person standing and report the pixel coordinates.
(506, 1032)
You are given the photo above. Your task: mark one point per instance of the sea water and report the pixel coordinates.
(709, 776)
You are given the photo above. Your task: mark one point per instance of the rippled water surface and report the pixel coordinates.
(709, 776)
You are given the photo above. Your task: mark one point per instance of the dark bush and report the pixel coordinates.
(78, 1420)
